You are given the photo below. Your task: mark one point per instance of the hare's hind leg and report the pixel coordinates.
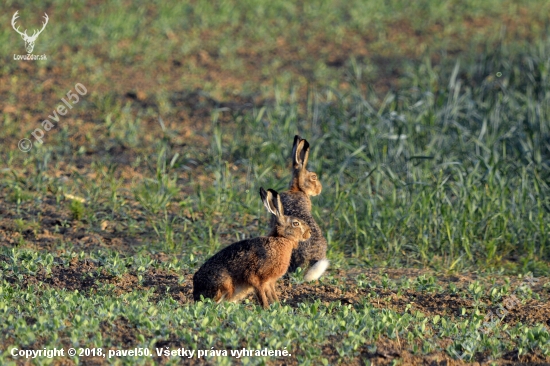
(241, 291)
(269, 294)
(260, 289)
(274, 292)
(262, 297)
(225, 290)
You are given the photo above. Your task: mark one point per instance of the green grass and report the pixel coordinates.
(57, 317)
(429, 130)
(452, 172)
(253, 44)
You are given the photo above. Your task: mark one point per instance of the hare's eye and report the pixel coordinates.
(295, 223)
(313, 177)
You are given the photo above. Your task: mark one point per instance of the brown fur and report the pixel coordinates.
(297, 203)
(252, 264)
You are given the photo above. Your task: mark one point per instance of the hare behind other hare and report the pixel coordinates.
(312, 252)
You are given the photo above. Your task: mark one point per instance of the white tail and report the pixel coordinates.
(29, 40)
(316, 270)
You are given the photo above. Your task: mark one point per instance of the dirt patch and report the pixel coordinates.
(431, 304)
(47, 225)
(88, 276)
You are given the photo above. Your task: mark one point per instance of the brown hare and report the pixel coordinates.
(252, 264)
(296, 202)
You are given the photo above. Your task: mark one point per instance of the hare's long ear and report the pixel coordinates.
(299, 172)
(276, 202)
(305, 154)
(267, 199)
(297, 152)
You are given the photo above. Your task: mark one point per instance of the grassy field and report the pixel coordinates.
(430, 131)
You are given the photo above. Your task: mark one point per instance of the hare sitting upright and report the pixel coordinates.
(252, 264)
(296, 201)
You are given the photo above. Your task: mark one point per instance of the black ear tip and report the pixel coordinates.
(273, 192)
(306, 145)
(263, 193)
(296, 139)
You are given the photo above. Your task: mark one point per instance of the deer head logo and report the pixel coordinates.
(29, 40)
